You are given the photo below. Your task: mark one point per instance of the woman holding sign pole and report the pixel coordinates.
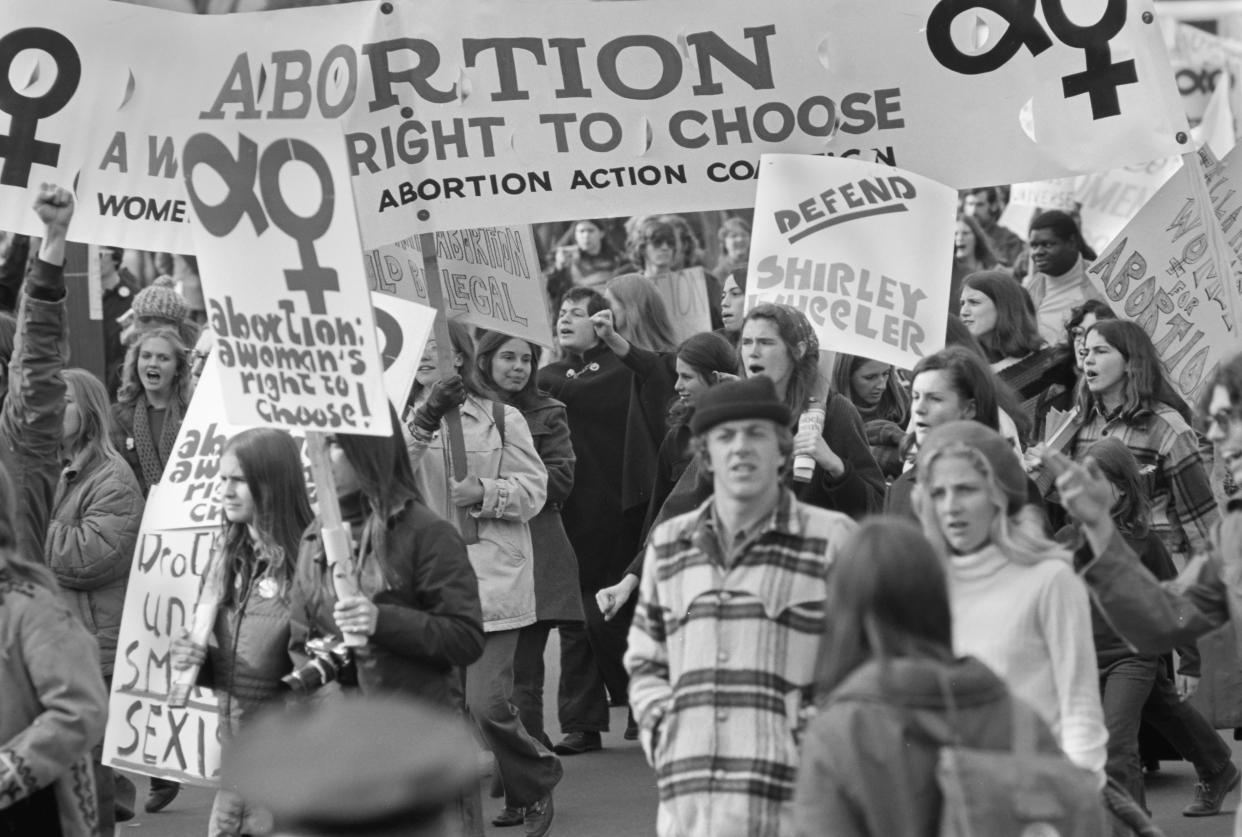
(96, 514)
(778, 341)
(505, 487)
(263, 500)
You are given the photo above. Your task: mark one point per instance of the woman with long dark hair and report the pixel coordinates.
(505, 487)
(882, 402)
(418, 600)
(887, 672)
(1000, 315)
(506, 365)
(264, 513)
(778, 342)
(1125, 394)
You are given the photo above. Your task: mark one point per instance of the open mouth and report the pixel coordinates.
(756, 369)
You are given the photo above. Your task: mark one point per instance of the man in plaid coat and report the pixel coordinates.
(722, 648)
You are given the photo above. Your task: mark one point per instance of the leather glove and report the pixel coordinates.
(444, 396)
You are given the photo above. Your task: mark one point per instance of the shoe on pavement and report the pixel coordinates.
(538, 817)
(161, 795)
(631, 728)
(122, 812)
(1210, 794)
(509, 816)
(577, 743)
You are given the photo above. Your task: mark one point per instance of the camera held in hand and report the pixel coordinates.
(330, 659)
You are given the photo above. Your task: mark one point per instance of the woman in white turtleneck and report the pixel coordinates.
(1017, 604)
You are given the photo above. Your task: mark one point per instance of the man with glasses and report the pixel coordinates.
(1152, 616)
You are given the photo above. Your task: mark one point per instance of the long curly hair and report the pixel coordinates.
(183, 382)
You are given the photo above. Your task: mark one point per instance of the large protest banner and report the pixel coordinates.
(489, 277)
(862, 249)
(465, 113)
(1163, 273)
(282, 272)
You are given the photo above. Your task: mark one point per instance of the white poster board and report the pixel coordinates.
(863, 250)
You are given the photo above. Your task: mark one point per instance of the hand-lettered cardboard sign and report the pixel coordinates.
(863, 250)
(1163, 272)
(489, 277)
(460, 113)
(281, 264)
(685, 296)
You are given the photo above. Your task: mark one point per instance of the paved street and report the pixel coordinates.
(611, 794)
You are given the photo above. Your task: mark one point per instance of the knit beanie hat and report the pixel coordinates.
(995, 449)
(788, 319)
(734, 400)
(161, 300)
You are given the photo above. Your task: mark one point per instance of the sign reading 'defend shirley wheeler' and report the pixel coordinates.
(861, 253)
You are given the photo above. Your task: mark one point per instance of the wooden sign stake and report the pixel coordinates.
(466, 524)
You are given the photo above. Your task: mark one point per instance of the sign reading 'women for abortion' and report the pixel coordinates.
(281, 262)
(859, 248)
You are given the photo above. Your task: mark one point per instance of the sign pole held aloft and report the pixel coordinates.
(336, 544)
(444, 358)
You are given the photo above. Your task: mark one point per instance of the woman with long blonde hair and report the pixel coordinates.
(1017, 604)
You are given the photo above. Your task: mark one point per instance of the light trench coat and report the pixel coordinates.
(515, 486)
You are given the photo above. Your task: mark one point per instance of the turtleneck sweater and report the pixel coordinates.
(1031, 624)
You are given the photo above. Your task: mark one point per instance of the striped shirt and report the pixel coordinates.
(721, 658)
(1183, 508)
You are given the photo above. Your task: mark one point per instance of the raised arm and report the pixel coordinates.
(34, 407)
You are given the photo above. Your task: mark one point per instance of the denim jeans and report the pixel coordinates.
(1124, 687)
(527, 768)
(1184, 728)
(592, 672)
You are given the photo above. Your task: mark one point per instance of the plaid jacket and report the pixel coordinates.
(1183, 508)
(721, 663)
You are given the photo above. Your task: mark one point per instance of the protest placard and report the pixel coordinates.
(143, 733)
(488, 277)
(403, 328)
(1163, 273)
(1200, 61)
(282, 272)
(179, 524)
(459, 113)
(1025, 199)
(685, 296)
(863, 250)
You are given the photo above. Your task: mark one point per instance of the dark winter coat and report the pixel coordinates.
(557, 593)
(430, 620)
(869, 758)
